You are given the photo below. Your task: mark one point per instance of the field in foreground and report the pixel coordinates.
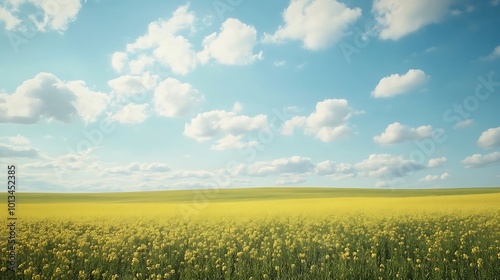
(430, 236)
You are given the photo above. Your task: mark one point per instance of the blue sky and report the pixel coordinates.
(99, 96)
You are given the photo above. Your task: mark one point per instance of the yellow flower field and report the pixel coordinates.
(438, 237)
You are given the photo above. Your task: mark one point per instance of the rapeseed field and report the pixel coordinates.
(438, 237)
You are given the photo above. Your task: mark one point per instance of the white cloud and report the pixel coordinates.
(83, 160)
(493, 55)
(9, 151)
(119, 61)
(398, 133)
(163, 42)
(57, 14)
(17, 140)
(174, 99)
(9, 19)
(317, 23)
(433, 178)
(232, 46)
(182, 174)
(88, 104)
(494, 2)
(387, 166)
(429, 178)
(47, 97)
(138, 167)
(292, 165)
(232, 142)
(463, 123)
(327, 123)
(137, 66)
(326, 167)
(444, 176)
(436, 162)
(489, 138)
(398, 18)
(237, 107)
(396, 84)
(45, 15)
(228, 127)
(131, 114)
(133, 84)
(478, 160)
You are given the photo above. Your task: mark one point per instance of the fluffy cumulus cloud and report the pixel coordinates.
(131, 114)
(398, 133)
(10, 151)
(396, 84)
(490, 138)
(398, 18)
(175, 99)
(478, 160)
(47, 97)
(327, 123)
(163, 42)
(228, 128)
(317, 23)
(165, 45)
(233, 45)
(41, 14)
(133, 84)
(436, 162)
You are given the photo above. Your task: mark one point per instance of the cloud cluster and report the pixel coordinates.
(41, 14)
(10, 151)
(138, 167)
(175, 99)
(384, 167)
(398, 133)
(131, 114)
(433, 178)
(317, 23)
(436, 162)
(327, 123)
(46, 97)
(396, 84)
(165, 45)
(489, 138)
(478, 160)
(398, 18)
(228, 128)
(232, 46)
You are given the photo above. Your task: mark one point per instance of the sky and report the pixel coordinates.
(103, 96)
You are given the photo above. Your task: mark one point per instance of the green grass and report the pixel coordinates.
(243, 194)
